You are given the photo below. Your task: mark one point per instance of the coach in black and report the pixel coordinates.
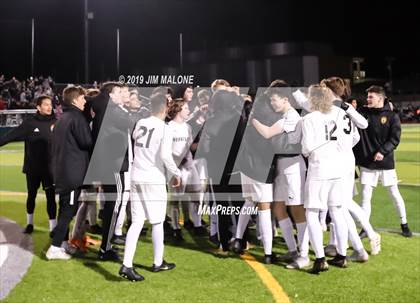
(111, 128)
(71, 143)
(36, 132)
(375, 152)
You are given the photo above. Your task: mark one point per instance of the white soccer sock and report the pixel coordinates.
(101, 197)
(315, 231)
(214, 224)
(174, 209)
(341, 229)
(353, 235)
(158, 247)
(243, 219)
(357, 212)
(303, 238)
(367, 191)
(30, 219)
(131, 242)
(286, 227)
(121, 215)
(333, 236)
(274, 225)
(52, 224)
(196, 218)
(323, 218)
(398, 202)
(266, 230)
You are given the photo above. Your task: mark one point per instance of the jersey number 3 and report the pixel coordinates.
(329, 134)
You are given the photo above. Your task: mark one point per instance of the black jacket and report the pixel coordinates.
(111, 128)
(221, 136)
(36, 132)
(256, 155)
(71, 144)
(382, 135)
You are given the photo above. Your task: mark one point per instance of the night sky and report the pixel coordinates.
(149, 32)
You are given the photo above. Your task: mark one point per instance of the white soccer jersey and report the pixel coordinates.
(181, 139)
(290, 123)
(152, 152)
(324, 141)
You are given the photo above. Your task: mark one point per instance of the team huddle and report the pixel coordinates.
(289, 153)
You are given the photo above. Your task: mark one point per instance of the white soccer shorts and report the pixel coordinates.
(321, 194)
(388, 177)
(148, 201)
(257, 191)
(289, 184)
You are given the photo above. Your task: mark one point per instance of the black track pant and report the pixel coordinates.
(33, 182)
(113, 198)
(68, 203)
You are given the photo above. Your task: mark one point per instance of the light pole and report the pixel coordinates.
(118, 51)
(389, 60)
(32, 46)
(87, 16)
(86, 19)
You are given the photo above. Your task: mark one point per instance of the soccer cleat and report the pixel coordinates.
(200, 231)
(163, 266)
(406, 232)
(338, 261)
(188, 224)
(118, 240)
(109, 255)
(237, 247)
(299, 263)
(362, 234)
(177, 235)
(288, 257)
(375, 245)
(270, 259)
(130, 274)
(28, 229)
(359, 256)
(319, 265)
(330, 250)
(57, 253)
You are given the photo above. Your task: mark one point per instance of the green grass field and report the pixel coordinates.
(201, 276)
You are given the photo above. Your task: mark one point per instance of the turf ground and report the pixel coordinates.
(202, 276)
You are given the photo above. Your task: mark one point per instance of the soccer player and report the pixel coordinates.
(178, 112)
(36, 132)
(375, 152)
(254, 161)
(152, 154)
(340, 91)
(111, 125)
(71, 143)
(322, 140)
(290, 175)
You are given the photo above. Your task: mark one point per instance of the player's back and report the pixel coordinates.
(148, 166)
(323, 142)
